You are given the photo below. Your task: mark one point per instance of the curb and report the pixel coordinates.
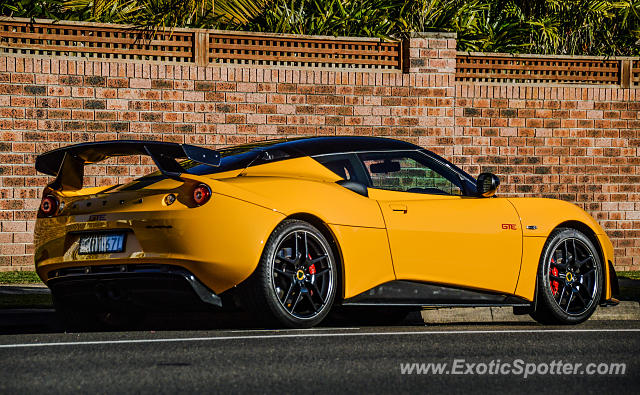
(625, 311)
(23, 289)
(16, 320)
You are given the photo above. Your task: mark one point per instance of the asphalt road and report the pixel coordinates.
(329, 359)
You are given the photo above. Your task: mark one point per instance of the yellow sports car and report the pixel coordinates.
(290, 229)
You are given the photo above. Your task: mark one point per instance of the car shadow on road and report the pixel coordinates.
(35, 321)
(32, 313)
(629, 289)
(22, 321)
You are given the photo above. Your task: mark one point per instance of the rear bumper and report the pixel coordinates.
(220, 243)
(131, 287)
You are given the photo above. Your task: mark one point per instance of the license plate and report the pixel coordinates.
(101, 243)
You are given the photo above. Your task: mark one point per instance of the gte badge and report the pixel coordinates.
(509, 226)
(97, 217)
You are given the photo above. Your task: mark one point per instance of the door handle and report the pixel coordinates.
(399, 207)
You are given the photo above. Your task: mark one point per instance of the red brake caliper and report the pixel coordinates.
(554, 284)
(312, 271)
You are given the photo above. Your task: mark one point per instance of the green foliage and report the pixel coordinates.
(50, 9)
(157, 14)
(590, 27)
(368, 18)
(17, 277)
(633, 275)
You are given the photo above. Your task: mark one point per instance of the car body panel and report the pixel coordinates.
(546, 215)
(367, 251)
(453, 240)
(330, 202)
(216, 244)
(315, 192)
(607, 250)
(531, 251)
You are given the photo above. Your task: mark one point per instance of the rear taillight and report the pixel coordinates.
(49, 205)
(201, 194)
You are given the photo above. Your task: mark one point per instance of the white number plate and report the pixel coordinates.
(100, 243)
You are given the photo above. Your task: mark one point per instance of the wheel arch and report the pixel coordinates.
(322, 226)
(586, 229)
(591, 235)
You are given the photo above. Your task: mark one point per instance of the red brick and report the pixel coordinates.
(571, 144)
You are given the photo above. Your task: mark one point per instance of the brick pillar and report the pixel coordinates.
(431, 53)
(430, 63)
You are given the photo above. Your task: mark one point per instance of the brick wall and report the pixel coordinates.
(581, 145)
(578, 144)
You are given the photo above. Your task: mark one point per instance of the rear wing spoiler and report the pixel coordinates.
(67, 163)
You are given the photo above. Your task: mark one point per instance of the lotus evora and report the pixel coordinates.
(291, 229)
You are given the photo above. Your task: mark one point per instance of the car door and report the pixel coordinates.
(438, 234)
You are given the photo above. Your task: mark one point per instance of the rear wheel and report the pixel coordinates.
(294, 284)
(569, 282)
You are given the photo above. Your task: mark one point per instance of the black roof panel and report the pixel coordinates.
(322, 145)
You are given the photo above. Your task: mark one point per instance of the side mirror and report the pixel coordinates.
(487, 184)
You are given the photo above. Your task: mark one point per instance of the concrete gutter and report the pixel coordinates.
(625, 311)
(23, 289)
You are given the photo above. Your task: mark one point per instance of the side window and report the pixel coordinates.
(410, 172)
(341, 167)
(346, 166)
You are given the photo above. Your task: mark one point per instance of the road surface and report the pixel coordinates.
(179, 357)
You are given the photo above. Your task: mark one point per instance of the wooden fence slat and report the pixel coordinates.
(245, 49)
(94, 39)
(507, 68)
(100, 50)
(334, 51)
(563, 78)
(300, 59)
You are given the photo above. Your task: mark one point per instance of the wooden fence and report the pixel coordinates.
(537, 69)
(274, 50)
(206, 47)
(195, 46)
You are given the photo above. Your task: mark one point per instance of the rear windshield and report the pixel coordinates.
(234, 158)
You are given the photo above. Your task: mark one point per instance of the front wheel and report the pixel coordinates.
(294, 284)
(569, 282)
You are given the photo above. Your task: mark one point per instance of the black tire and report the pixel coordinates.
(284, 290)
(569, 280)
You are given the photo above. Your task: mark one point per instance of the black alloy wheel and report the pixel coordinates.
(295, 282)
(302, 275)
(569, 278)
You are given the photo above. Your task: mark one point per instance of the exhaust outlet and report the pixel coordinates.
(110, 292)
